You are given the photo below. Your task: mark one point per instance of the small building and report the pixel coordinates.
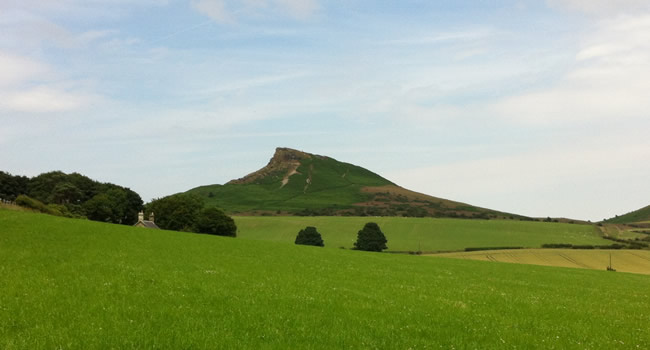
(146, 223)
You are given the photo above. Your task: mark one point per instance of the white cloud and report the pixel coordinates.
(610, 80)
(228, 11)
(301, 9)
(601, 7)
(42, 99)
(15, 70)
(27, 85)
(215, 9)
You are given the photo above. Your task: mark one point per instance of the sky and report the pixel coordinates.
(539, 108)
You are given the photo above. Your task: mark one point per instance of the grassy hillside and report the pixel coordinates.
(636, 261)
(295, 182)
(426, 234)
(638, 216)
(79, 284)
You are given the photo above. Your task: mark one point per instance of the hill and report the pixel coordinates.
(641, 216)
(300, 183)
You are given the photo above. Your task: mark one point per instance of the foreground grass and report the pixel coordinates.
(425, 234)
(635, 261)
(79, 284)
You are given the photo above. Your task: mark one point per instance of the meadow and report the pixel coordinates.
(424, 234)
(75, 284)
(635, 261)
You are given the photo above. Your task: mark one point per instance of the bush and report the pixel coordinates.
(371, 239)
(557, 245)
(472, 249)
(176, 212)
(31, 203)
(309, 236)
(215, 222)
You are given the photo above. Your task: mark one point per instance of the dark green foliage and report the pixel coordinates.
(64, 193)
(176, 212)
(52, 209)
(309, 236)
(557, 245)
(371, 239)
(75, 195)
(31, 203)
(99, 208)
(12, 186)
(472, 249)
(215, 222)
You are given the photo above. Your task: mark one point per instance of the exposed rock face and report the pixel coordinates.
(285, 161)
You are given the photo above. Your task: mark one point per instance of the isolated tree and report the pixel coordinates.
(215, 222)
(371, 239)
(309, 236)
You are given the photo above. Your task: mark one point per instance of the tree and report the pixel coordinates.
(176, 212)
(215, 222)
(99, 208)
(12, 186)
(371, 239)
(309, 236)
(64, 193)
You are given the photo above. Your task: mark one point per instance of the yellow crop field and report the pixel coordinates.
(635, 261)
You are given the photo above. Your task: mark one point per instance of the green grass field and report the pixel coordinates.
(76, 284)
(425, 234)
(637, 216)
(635, 261)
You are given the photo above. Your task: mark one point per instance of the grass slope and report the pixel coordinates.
(425, 234)
(635, 261)
(318, 182)
(637, 216)
(295, 182)
(86, 285)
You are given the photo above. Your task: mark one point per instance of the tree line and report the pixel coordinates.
(72, 195)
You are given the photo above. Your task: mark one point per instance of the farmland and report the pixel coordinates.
(425, 234)
(636, 261)
(80, 284)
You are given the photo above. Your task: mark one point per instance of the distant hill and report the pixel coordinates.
(637, 216)
(300, 183)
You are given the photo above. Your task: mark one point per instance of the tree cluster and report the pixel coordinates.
(186, 212)
(72, 195)
(370, 238)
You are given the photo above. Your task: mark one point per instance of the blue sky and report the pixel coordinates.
(534, 107)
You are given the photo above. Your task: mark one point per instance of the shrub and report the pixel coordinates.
(557, 245)
(371, 239)
(215, 222)
(474, 249)
(309, 236)
(31, 203)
